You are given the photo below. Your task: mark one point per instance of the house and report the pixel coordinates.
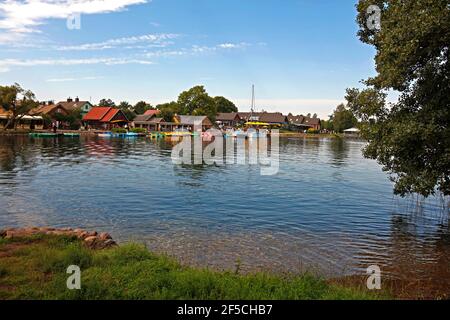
(353, 132)
(303, 123)
(191, 123)
(53, 113)
(71, 105)
(271, 118)
(230, 119)
(27, 122)
(105, 118)
(148, 121)
(50, 110)
(152, 113)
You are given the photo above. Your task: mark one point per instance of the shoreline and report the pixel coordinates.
(93, 133)
(102, 244)
(34, 261)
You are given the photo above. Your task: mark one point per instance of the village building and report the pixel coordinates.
(230, 119)
(152, 113)
(52, 114)
(72, 105)
(149, 121)
(303, 123)
(26, 122)
(105, 118)
(271, 118)
(191, 123)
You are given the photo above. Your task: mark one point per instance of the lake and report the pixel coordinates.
(328, 209)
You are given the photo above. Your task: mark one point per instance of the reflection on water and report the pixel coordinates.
(327, 208)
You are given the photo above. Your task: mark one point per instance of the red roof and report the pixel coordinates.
(152, 112)
(97, 113)
(103, 114)
(110, 115)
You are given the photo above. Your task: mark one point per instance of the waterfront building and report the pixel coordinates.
(105, 118)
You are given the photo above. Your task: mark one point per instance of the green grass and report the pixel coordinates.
(35, 268)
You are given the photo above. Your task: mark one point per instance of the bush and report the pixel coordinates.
(119, 130)
(139, 130)
(313, 131)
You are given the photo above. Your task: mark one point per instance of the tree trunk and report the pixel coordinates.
(10, 121)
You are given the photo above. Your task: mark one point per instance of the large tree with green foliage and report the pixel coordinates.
(224, 105)
(141, 107)
(17, 101)
(342, 119)
(127, 110)
(196, 101)
(411, 137)
(168, 110)
(106, 103)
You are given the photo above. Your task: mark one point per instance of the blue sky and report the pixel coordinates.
(301, 55)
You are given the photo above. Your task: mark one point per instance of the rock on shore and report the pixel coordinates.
(93, 240)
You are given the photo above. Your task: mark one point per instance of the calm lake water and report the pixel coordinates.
(327, 209)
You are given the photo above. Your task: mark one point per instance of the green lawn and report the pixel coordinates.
(35, 268)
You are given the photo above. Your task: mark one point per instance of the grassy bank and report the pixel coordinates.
(35, 268)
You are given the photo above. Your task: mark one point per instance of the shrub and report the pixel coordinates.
(119, 130)
(139, 130)
(313, 131)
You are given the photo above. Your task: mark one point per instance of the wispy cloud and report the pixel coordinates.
(233, 45)
(6, 64)
(158, 40)
(73, 79)
(197, 50)
(22, 16)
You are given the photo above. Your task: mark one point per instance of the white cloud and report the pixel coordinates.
(159, 40)
(233, 45)
(7, 63)
(197, 50)
(72, 79)
(22, 16)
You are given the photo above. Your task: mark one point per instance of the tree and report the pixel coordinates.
(168, 110)
(224, 105)
(343, 119)
(126, 109)
(17, 101)
(411, 137)
(141, 107)
(196, 101)
(106, 103)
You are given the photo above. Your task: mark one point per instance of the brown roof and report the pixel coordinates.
(71, 105)
(193, 120)
(230, 116)
(273, 118)
(143, 117)
(312, 121)
(304, 121)
(152, 121)
(45, 109)
(269, 117)
(152, 112)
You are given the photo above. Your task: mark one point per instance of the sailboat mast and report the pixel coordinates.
(253, 99)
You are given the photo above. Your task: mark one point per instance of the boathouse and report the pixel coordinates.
(105, 118)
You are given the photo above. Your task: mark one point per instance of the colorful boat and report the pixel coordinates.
(72, 135)
(43, 135)
(104, 134)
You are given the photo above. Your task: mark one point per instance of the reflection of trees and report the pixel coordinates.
(419, 251)
(15, 152)
(339, 151)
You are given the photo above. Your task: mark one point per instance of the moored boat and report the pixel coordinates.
(43, 134)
